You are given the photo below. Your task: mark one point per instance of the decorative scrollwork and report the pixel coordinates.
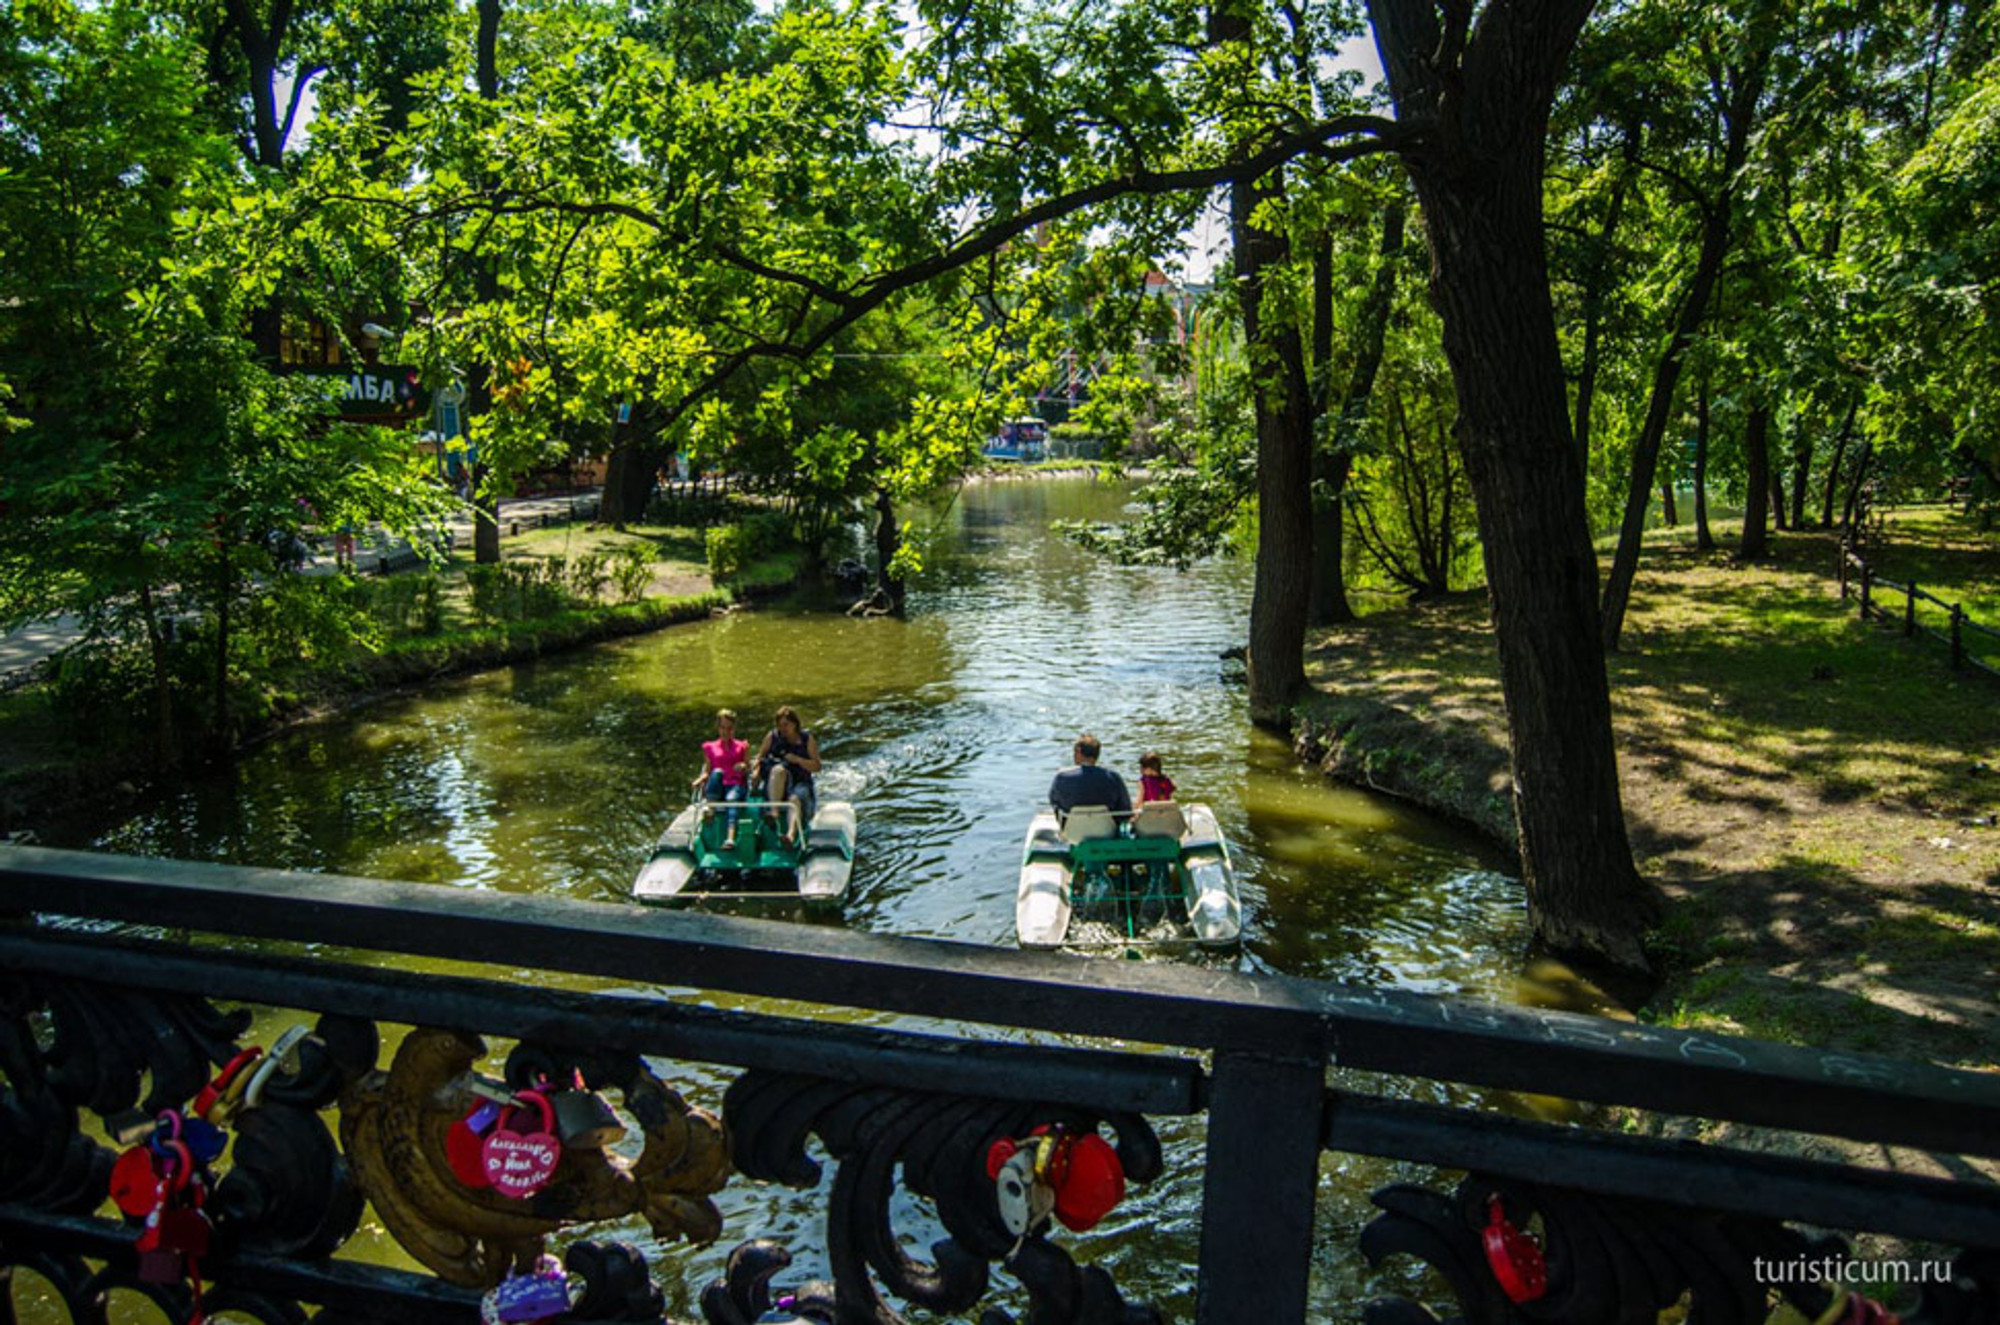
(394, 1127)
(107, 1039)
(1621, 1260)
(940, 1144)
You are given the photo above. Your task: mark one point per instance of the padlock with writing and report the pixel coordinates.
(520, 1163)
(544, 1294)
(584, 1118)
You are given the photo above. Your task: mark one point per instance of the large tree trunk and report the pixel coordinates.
(1669, 516)
(1755, 542)
(1480, 186)
(1703, 539)
(1280, 597)
(631, 472)
(1775, 476)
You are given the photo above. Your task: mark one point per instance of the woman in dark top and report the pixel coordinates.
(786, 763)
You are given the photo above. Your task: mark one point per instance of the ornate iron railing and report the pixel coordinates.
(106, 1026)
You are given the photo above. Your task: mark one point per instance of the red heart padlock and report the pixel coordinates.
(1514, 1257)
(465, 1145)
(519, 1164)
(136, 1187)
(1092, 1181)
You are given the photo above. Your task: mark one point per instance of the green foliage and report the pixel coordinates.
(631, 571)
(587, 576)
(524, 589)
(733, 547)
(408, 604)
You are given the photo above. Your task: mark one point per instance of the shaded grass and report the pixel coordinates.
(1812, 794)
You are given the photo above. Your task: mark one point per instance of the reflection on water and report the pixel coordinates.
(944, 730)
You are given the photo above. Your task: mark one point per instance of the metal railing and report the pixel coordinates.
(95, 1012)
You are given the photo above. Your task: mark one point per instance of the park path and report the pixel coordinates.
(23, 649)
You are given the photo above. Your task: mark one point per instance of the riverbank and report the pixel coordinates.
(1816, 799)
(56, 771)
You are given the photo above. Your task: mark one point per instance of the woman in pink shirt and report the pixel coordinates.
(725, 773)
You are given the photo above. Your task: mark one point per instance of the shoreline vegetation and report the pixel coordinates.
(480, 618)
(1815, 799)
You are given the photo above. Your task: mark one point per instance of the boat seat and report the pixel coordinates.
(1088, 823)
(1159, 819)
(1047, 841)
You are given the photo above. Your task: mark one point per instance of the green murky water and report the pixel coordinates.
(944, 730)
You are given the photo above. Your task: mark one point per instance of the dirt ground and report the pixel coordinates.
(1816, 798)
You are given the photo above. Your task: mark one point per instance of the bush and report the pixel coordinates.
(632, 571)
(519, 590)
(588, 574)
(732, 547)
(408, 604)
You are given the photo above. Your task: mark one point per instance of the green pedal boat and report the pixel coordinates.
(1157, 876)
(694, 860)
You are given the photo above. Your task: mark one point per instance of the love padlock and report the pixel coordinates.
(220, 1098)
(465, 1144)
(1092, 1181)
(584, 1118)
(519, 1164)
(542, 1295)
(1025, 1199)
(1514, 1257)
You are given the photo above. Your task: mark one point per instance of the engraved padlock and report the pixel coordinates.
(519, 1164)
(584, 1118)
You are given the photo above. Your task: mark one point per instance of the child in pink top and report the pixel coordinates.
(1154, 785)
(725, 774)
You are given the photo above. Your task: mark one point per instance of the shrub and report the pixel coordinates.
(588, 574)
(732, 547)
(519, 590)
(408, 604)
(632, 571)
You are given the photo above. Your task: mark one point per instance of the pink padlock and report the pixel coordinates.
(519, 1164)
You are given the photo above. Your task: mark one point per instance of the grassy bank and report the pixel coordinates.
(56, 769)
(1816, 797)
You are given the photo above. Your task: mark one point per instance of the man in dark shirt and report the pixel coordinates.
(1087, 784)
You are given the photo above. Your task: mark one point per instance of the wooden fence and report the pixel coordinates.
(1854, 572)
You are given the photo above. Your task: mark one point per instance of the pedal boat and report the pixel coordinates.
(1157, 876)
(690, 862)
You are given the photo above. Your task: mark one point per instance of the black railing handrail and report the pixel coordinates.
(1580, 1057)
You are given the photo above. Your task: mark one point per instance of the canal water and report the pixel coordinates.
(943, 729)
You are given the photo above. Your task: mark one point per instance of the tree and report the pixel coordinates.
(1735, 87)
(1483, 92)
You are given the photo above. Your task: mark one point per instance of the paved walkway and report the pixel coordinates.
(23, 649)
